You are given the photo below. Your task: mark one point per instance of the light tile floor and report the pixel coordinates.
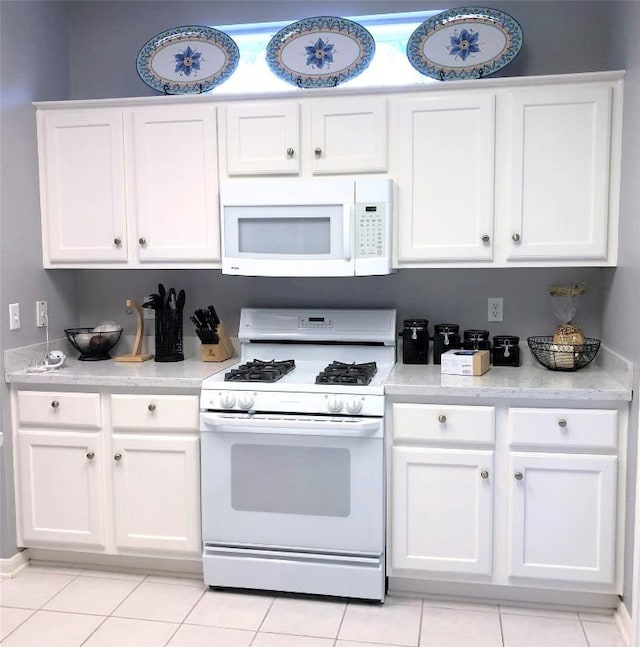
(58, 607)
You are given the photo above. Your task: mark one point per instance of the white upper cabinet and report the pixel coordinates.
(82, 190)
(260, 138)
(175, 183)
(324, 136)
(558, 172)
(445, 177)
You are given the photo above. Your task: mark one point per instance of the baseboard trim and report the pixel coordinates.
(11, 566)
(624, 622)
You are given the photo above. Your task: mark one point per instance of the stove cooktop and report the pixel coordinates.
(260, 371)
(343, 373)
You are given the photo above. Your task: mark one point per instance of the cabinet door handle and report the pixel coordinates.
(290, 152)
(117, 457)
(55, 404)
(142, 241)
(317, 151)
(442, 418)
(518, 476)
(117, 242)
(515, 238)
(152, 407)
(484, 474)
(486, 238)
(562, 423)
(91, 455)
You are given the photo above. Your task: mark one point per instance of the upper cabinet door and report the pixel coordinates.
(446, 149)
(559, 172)
(175, 183)
(82, 186)
(349, 136)
(261, 138)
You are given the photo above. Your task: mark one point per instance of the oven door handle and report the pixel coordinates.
(246, 423)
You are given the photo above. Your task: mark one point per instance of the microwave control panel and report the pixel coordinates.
(371, 229)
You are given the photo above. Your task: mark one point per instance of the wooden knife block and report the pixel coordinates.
(217, 352)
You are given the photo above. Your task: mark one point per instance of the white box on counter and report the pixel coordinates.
(464, 362)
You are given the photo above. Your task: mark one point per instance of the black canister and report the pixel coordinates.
(415, 341)
(506, 351)
(446, 337)
(476, 340)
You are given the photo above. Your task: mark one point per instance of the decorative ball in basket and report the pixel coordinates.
(94, 344)
(567, 349)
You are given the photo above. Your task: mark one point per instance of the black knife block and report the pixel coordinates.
(169, 346)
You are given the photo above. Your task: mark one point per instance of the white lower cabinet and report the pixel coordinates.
(61, 487)
(443, 510)
(537, 505)
(108, 473)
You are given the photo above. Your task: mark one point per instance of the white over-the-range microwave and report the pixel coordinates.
(319, 227)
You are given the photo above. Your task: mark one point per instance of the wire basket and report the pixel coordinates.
(563, 357)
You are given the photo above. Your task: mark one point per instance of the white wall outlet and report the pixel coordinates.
(147, 313)
(494, 312)
(42, 314)
(14, 316)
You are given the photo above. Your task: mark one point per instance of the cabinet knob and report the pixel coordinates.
(90, 455)
(515, 238)
(442, 418)
(317, 152)
(518, 476)
(142, 241)
(117, 242)
(484, 474)
(290, 152)
(152, 407)
(117, 457)
(55, 404)
(486, 238)
(562, 423)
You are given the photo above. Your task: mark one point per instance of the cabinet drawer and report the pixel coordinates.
(564, 428)
(448, 423)
(167, 412)
(54, 409)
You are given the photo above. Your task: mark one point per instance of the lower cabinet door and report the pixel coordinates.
(442, 510)
(156, 492)
(563, 517)
(61, 488)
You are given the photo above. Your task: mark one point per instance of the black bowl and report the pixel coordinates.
(92, 346)
(563, 357)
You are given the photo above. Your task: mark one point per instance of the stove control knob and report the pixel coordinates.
(334, 405)
(227, 400)
(354, 406)
(245, 401)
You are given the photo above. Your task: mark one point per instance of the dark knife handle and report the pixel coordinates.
(214, 315)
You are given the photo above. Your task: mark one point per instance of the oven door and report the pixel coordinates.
(293, 482)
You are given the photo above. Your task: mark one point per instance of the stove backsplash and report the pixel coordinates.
(439, 295)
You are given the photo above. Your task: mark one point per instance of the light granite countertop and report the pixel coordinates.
(608, 380)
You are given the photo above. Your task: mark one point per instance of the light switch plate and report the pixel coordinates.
(14, 316)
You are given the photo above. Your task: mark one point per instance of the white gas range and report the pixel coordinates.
(293, 454)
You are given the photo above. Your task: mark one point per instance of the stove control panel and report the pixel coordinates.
(315, 322)
(328, 403)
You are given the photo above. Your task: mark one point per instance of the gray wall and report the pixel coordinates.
(621, 311)
(33, 66)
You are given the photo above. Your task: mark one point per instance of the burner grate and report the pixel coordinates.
(342, 373)
(260, 371)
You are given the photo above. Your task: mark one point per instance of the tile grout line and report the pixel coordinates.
(421, 621)
(344, 613)
(255, 635)
(33, 612)
(501, 627)
(584, 631)
(186, 615)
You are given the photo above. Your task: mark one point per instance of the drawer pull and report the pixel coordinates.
(55, 404)
(117, 457)
(484, 474)
(518, 476)
(142, 241)
(90, 455)
(317, 152)
(152, 407)
(562, 423)
(486, 238)
(442, 418)
(290, 152)
(515, 238)
(117, 242)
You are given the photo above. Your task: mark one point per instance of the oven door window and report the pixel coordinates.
(285, 232)
(291, 480)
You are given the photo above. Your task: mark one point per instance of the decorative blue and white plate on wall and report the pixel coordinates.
(186, 60)
(464, 43)
(320, 52)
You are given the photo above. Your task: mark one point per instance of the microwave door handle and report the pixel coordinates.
(347, 226)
